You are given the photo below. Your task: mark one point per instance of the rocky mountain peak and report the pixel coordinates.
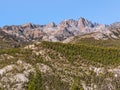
(7, 28)
(28, 25)
(115, 25)
(52, 24)
(68, 23)
(82, 22)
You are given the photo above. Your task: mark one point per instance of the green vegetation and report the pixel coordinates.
(76, 85)
(10, 51)
(68, 63)
(35, 82)
(93, 42)
(103, 55)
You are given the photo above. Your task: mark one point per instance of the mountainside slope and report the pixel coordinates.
(9, 41)
(48, 66)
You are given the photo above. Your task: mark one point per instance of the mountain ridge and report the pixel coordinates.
(64, 30)
(52, 32)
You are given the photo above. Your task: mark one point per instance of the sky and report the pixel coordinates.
(18, 12)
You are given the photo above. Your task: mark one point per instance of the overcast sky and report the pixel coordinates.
(14, 12)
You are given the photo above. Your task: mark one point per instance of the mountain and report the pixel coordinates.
(51, 32)
(10, 41)
(64, 30)
(73, 55)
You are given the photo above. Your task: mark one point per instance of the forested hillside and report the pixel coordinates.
(58, 66)
(103, 55)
